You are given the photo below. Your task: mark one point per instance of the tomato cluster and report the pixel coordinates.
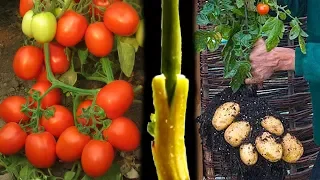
(39, 125)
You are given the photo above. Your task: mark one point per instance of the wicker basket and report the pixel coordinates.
(286, 93)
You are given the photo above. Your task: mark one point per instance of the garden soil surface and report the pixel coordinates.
(229, 164)
(11, 38)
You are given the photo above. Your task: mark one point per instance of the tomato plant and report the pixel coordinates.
(242, 24)
(40, 149)
(123, 134)
(56, 119)
(25, 6)
(51, 98)
(71, 28)
(70, 144)
(115, 98)
(11, 109)
(121, 19)
(84, 75)
(27, 62)
(12, 138)
(97, 152)
(58, 59)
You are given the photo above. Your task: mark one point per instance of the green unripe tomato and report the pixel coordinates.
(57, 11)
(140, 33)
(44, 27)
(26, 24)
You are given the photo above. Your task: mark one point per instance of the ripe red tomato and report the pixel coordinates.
(115, 98)
(27, 62)
(99, 39)
(52, 98)
(84, 106)
(58, 59)
(60, 121)
(101, 4)
(70, 144)
(71, 28)
(97, 152)
(263, 9)
(121, 19)
(25, 6)
(43, 76)
(123, 134)
(10, 109)
(12, 139)
(40, 149)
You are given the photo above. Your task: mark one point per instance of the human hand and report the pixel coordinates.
(264, 63)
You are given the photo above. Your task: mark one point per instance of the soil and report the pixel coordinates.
(11, 38)
(252, 109)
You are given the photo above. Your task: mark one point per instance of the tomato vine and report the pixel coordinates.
(239, 24)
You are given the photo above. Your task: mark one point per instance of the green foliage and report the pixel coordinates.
(238, 22)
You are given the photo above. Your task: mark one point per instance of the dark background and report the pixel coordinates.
(152, 47)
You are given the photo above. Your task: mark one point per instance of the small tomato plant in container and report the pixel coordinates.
(74, 122)
(237, 25)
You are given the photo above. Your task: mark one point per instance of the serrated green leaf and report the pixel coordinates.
(303, 33)
(294, 32)
(113, 173)
(69, 175)
(273, 28)
(200, 38)
(240, 76)
(207, 8)
(25, 172)
(251, 5)
(83, 55)
(240, 3)
(224, 30)
(107, 69)
(302, 45)
(130, 40)
(126, 53)
(70, 77)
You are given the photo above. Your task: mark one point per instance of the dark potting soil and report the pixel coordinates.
(252, 109)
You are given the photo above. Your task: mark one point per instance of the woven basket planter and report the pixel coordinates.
(286, 93)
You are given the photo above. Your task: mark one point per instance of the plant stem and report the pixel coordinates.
(171, 44)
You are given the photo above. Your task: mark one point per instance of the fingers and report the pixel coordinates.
(254, 80)
(260, 42)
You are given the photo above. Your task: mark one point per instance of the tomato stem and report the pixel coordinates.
(171, 44)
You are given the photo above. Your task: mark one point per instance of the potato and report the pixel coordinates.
(224, 115)
(268, 147)
(237, 132)
(273, 125)
(248, 154)
(292, 149)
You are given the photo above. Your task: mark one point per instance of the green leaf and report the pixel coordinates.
(129, 40)
(25, 172)
(113, 173)
(70, 77)
(274, 29)
(251, 5)
(294, 32)
(69, 175)
(200, 40)
(303, 33)
(83, 55)
(302, 45)
(240, 3)
(207, 8)
(224, 30)
(107, 69)
(202, 20)
(126, 53)
(242, 72)
(150, 128)
(86, 177)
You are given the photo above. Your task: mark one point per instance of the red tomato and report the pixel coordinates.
(99, 39)
(83, 106)
(10, 109)
(25, 6)
(70, 144)
(40, 149)
(101, 4)
(121, 19)
(263, 9)
(95, 153)
(58, 59)
(115, 98)
(43, 76)
(71, 28)
(123, 134)
(27, 62)
(60, 121)
(12, 139)
(52, 98)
